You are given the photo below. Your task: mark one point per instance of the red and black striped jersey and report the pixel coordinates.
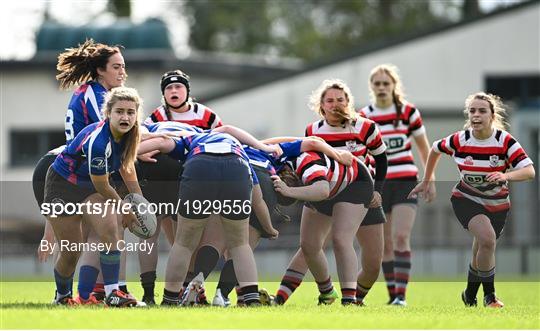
(397, 138)
(198, 115)
(314, 166)
(358, 137)
(476, 158)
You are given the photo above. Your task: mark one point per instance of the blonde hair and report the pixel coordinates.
(316, 97)
(398, 95)
(496, 106)
(133, 136)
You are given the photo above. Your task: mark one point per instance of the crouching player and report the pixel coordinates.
(80, 175)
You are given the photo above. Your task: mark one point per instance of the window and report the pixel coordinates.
(523, 90)
(28, 146)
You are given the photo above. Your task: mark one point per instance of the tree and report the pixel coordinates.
(307, 29)
(120, 8)
(470, 9)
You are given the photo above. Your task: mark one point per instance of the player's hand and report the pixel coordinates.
(275, 150)
(148, 157)
(280, 186)
(274, 234)
(346, 158)
(376, 200)
(129, 219)
(496, 177)
(425, 190)
(44, 254)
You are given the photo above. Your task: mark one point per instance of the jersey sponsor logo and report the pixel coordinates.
(493, 160)
(469, 160)
(352, 146)
(98, 163)
(394, 142)
(474, 179)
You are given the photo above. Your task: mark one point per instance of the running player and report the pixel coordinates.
(483, 152)
(80, 175)
(398, 121)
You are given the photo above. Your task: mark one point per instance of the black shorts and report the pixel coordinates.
(215, 184)
(269, 197)
(466, 209)
(374, 216)
(358, 192)
(59, 191)
(395, 192)
(39, 175)
(160, 182)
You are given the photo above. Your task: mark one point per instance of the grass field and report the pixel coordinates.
(432, 305)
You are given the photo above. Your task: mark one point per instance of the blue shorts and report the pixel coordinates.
(215, 184)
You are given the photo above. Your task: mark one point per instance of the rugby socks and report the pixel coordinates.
(325, 286)
(402, 270)
(289, 283)
(388, 270)
(206, 260)
(110, 267)
(227, 278)
(361, 292)
(488, 281)
(348, 296)
(239, 296)
(473, 283)
(64, 285)
(148, 282)
(87, 279)
(170, 298)
(250, 294)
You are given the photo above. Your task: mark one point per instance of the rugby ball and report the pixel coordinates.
(147, 222)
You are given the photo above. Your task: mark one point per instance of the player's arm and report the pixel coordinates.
(246, 138)
(129, 176)
(422, 144)
(263, 214)
(279, 140)
(313, 145)
(317, 191)
(160, 143)
(426, 188)
(519, 175)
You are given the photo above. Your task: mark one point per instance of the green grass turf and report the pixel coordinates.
(432, 305)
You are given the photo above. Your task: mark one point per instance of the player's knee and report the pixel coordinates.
(401, 240)
(340, 245)
(310, 248)
(487, 243)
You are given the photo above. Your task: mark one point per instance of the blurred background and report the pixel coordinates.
(255, 64)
